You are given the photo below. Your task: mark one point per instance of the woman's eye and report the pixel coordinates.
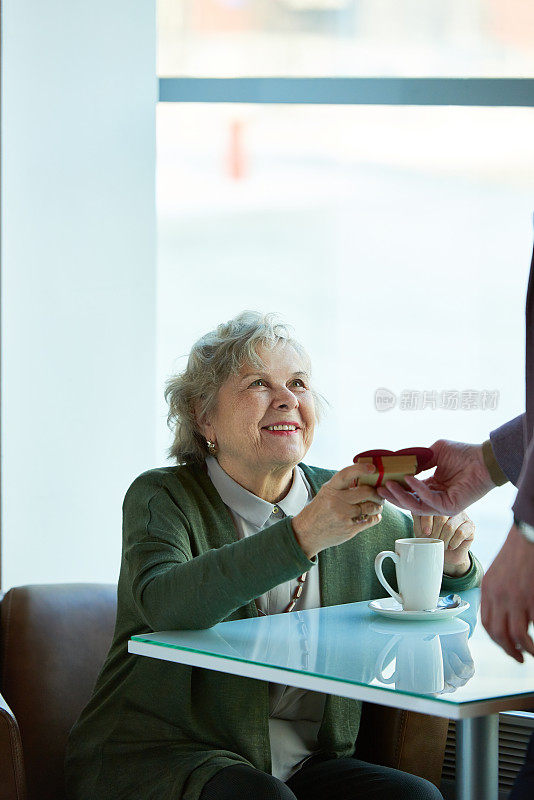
(262, 382)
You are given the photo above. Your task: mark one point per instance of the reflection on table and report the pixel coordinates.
(421, 657)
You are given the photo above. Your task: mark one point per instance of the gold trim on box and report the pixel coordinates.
(395, 468)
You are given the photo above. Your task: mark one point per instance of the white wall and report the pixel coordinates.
(78, 293)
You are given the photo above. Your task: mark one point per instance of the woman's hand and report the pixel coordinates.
(457, 533)
(458, 664)
(331, 517)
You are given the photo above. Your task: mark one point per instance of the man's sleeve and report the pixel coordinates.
(524, 501)
(505, 447)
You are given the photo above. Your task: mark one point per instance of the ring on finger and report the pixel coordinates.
(362, 517)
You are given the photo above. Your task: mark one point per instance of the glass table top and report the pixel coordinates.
(452, 661)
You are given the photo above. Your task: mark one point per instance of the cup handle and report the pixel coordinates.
(384, 653)
(380, 575)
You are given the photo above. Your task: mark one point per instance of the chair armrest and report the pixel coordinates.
(13, 780)
(404, 740)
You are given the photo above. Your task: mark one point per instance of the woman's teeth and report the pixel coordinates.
(281, 428)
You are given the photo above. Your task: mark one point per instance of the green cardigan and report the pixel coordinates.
(156, 730)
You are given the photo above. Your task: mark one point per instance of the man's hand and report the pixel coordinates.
(508, 596)
(457, 533)
(460, 479)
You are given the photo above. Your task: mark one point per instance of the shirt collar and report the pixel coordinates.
(250, 506)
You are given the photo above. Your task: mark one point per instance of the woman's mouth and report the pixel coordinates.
(281, 430)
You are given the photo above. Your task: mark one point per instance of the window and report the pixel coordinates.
(396, 238)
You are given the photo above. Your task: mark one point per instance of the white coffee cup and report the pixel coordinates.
(419, 568)
(418, 665)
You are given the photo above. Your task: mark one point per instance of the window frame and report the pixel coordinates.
(518, 92)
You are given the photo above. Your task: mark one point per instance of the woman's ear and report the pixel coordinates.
(199, 418)
(203, 424)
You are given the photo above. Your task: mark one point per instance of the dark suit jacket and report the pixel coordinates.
(513, 442)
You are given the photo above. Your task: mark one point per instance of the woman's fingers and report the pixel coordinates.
(454, 531)
(353, 507)
(422, 526)
(443, 528)
(369, 508)
(360, 494)
(372, 519)
(427, 525)
(352, 513)
(348, 476)
(359, 500)
(464, 533)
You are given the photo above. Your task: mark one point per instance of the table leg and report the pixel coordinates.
(477, 758)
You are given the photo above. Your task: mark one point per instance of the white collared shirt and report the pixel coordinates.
(295, 715)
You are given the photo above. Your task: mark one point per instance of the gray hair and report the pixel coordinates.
(213, 359)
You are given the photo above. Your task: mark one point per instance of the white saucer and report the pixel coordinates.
(388, 607)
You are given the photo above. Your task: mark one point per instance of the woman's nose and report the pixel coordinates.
(285, 399)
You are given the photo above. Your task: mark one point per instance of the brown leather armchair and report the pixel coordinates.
(53, 640)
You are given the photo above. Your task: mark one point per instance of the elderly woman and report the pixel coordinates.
(237, 529)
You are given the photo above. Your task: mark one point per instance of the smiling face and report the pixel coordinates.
(264, 420)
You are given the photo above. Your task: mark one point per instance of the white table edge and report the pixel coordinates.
(423, 705)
